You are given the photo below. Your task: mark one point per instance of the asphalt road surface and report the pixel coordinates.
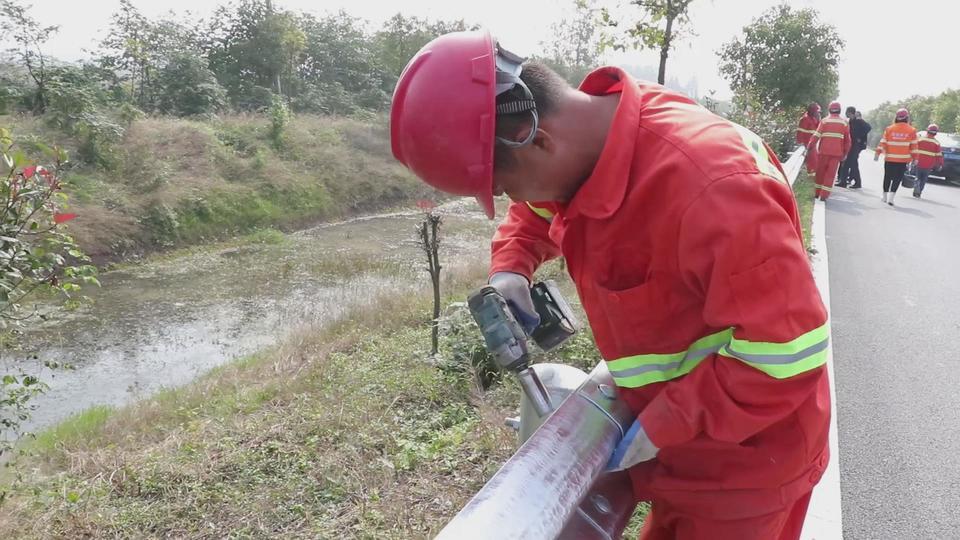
(895, 294)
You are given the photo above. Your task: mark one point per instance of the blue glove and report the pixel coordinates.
(635, 448)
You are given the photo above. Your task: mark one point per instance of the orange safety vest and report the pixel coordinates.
(899, 143)
(833, 135)
(929, 154)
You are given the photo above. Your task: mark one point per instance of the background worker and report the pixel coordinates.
(929, 157)
(682, 236)
(899, 147)
(849, 175)
(831, 141)
(806, 127)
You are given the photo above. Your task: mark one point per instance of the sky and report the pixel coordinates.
(871, 70)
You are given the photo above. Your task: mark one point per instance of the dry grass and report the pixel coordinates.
(348, 431)
(178, 182)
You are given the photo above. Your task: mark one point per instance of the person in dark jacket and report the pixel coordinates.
(849, 174)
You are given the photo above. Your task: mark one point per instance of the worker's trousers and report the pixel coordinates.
(922, 176)
(826, 172)
(811, 160)
(850, 168)
(667, 523)
(892, 176)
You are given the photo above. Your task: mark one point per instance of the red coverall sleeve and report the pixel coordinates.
(815, 138)
(741, 252)
(522, 242)
(799, 133)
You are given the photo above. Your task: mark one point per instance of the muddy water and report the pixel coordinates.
(163, 323)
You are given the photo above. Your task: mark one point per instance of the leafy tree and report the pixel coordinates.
(254, 45)
(76, 103)
(136, 49)
(340, 69)
(187, 87)
(36, 255)
(943, 110)
(401, 37)
(785, 58)
(576, 45)
(661, 24)
(29, 36)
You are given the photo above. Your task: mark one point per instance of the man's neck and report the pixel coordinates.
(585, 120)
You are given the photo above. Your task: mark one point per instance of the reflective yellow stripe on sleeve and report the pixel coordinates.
(542, 212)
(783, 360)
(779, 360)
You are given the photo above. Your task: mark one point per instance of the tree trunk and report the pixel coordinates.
(665, 48)
(429, 239)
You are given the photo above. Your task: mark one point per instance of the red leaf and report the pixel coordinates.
(425, 204)
(63, 218)
(28, 172)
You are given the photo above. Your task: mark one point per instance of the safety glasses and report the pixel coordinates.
(508, 69)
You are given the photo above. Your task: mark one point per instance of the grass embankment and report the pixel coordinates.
(803, 190)
(174, 182)
(347, 431)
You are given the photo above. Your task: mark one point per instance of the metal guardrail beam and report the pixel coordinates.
(555, 486)
(794, 164)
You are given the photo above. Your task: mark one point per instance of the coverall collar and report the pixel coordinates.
(602, 193)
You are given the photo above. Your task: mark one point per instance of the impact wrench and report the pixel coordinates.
(507, 342)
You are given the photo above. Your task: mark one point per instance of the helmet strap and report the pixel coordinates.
(508, 69)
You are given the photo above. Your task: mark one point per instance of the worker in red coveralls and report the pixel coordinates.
(832, 142)
(805, 129)
(682, 236)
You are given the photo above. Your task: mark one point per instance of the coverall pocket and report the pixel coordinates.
(636, 316)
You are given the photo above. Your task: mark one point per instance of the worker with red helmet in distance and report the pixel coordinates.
(929, 157)
(682, 236)
(831, 141)
(805, 129)
(899, 148)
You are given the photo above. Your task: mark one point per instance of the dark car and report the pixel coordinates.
(950, 145)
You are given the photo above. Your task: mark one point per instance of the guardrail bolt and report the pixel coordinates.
(601, 504)
(607, 391)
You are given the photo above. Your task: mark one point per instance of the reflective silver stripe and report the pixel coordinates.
(801, 130)
(900, 156)
(833, 135)
(777, 359)
(695, 355)
(925, 153)
(929, 140)
(898, 143)
(834, 121)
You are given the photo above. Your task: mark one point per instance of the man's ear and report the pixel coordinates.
(544, 141)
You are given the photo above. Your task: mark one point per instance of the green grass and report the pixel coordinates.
(71, 430)
(803, 190)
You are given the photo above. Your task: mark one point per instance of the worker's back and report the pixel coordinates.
(899, 143)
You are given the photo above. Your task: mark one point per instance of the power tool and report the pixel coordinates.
(507, 342)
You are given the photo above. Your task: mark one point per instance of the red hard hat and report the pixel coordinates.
(903, 114)
(933, 128)
(834, 107)
(443, 116)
